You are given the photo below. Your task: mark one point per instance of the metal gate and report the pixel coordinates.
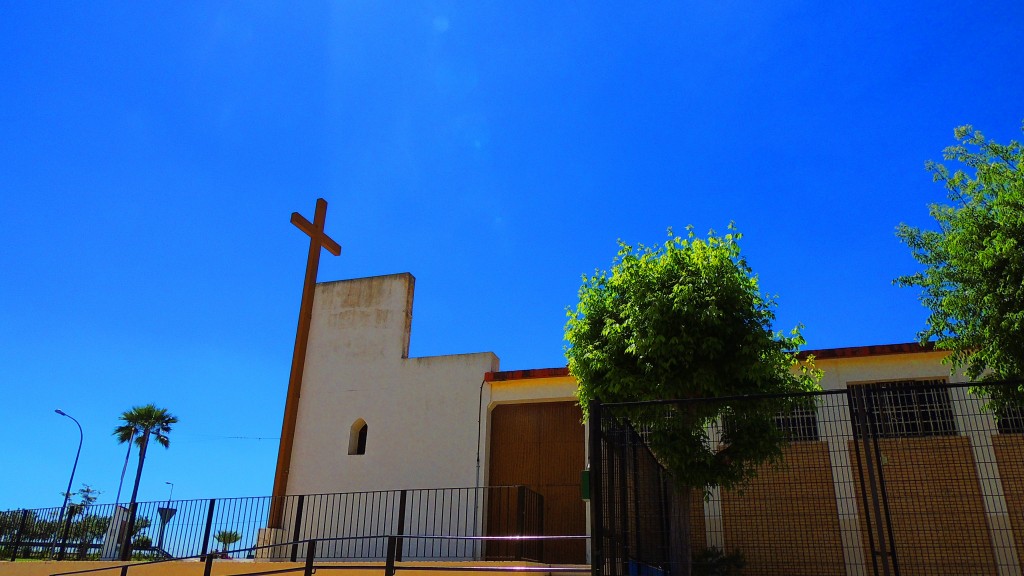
(885, 479)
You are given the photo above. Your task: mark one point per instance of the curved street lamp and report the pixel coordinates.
(67, 493)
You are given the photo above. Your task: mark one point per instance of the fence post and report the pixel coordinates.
(208, 565)
(862, 398)
(389, 564)
(310, 555)
(401, 525)
(540, 528)
(596, 496)
(209, 527)
(298, 527)
(64, 535)
(520, 520)
(17, 538)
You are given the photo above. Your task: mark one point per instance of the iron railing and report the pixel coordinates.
(391, 563)
(237, 527)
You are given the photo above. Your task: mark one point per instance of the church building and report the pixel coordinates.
(370, 418)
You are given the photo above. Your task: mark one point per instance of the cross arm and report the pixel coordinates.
(316, 234)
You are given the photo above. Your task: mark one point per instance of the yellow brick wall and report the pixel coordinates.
(1009, 451)
(698, 528)
(785, 521)
(934, 496)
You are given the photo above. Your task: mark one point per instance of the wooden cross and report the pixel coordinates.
(317, 240)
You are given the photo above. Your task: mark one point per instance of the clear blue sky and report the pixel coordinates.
(151, 154)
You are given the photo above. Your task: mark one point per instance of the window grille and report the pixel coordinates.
(800, 424)
(905, 409)
(1010, 420)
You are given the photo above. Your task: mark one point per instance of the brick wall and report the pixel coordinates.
(1009, 451)
(934, 497)
(785, 521)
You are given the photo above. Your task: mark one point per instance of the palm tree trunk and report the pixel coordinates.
(126, 538)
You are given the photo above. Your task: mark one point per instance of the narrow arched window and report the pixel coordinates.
(357, 438)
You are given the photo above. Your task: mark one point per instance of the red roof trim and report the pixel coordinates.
(865, 351)
(526, 374)
(824, 354)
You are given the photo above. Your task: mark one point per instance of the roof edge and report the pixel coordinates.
(822, 354)
(866, 351)
(526, 374)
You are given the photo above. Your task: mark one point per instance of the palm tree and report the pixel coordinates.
(227, 538)
(141, 422)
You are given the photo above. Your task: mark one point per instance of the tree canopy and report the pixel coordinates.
(687, 320)
(973, 277)
(141, 422)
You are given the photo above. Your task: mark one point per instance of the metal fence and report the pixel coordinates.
(355, 524)
(895, 478)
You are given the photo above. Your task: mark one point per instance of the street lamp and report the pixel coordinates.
(67, 493)
(166, 513)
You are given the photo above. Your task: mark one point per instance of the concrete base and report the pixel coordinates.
(271, 537)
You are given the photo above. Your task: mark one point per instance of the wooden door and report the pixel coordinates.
(541, 446)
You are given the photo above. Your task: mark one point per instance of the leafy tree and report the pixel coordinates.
(687, 320)
(227, 538)
(87, 496)
(141, 423)
(973, 280)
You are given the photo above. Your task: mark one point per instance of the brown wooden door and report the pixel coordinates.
(540, 445)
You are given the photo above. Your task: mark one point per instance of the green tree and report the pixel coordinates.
(227, 538)
(973, 277)
(143, 422)
(687, 320)
(87, 496)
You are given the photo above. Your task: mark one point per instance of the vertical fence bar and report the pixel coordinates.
(891, 548)
(401, 524)
(870, 438)
(64, 535)
(208, 565)
(298, 527)
(520, 519)
(310, 556)
(17, 538)
(389, 563)
(859, 418)
(209, 527)
(596, 497)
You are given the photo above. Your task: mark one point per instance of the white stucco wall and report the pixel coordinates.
(839, 372)
(421, 413)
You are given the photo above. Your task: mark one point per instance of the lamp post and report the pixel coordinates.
(166, 513)
(67, 493)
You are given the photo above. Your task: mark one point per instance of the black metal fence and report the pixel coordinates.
(896, 478)
(353, 526)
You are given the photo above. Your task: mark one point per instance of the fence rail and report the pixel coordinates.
(392, 562)
(237, 527)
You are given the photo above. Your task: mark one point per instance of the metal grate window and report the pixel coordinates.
(1010, 420)
(799, 425)
(905, 409)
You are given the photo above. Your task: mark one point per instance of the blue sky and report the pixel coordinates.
(152, 153)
